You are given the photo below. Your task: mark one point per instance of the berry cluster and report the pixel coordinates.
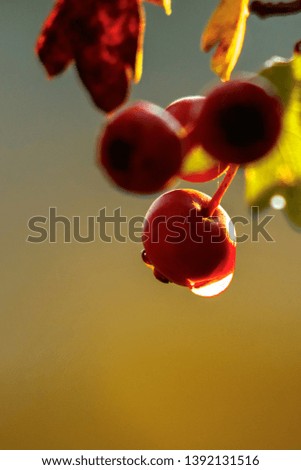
(188, 238)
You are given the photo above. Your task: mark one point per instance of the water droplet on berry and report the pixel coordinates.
(160, 277)
(214, 288)
(145, 258)
(278, 202)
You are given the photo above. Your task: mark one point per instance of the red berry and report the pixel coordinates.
(140, 148)
(240, 122)
(186, 111)
(186, 246)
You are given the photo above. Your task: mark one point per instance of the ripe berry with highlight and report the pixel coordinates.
(140, 148)
(186, 245)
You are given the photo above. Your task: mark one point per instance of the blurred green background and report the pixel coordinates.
(95, 354)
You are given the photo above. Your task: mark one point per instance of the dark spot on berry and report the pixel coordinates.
(243, 125)
(120, 155)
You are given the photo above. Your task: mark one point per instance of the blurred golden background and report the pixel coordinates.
(95, 354)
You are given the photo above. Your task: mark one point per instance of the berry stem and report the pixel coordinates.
(263, 10)
(217, 197)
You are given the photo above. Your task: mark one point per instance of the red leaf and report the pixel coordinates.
(105, 42)
(53, 45)
(104, 37)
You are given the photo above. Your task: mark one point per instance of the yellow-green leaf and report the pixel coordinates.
(226, 30)
(280, 171)
(197, 163)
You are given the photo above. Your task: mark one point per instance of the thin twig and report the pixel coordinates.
(264, 10)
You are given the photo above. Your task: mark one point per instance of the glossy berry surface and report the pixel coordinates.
(187, 110)
(140, 148)
(240, 122)
(185, 246)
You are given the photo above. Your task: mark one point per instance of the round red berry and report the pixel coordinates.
(240, 122)
(140, 148)
(205, 168)
(185, 245)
